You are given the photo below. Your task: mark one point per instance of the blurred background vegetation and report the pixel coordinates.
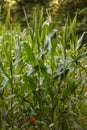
(56, 11)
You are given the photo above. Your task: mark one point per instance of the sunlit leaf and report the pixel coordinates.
(84, 54)
(80, 41)
(3, 70)
(4, 83)
(10, 96)
(30, 54)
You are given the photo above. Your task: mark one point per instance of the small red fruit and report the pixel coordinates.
(32, 120)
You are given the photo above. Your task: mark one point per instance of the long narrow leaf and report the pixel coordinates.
(80, 41)
(3, 70)
(4, 83)
(30, 54)
(80, 56)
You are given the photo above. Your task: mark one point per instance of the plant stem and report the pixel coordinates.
(12, 85)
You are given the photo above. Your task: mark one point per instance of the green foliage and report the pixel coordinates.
(42, 75)
(69, 8)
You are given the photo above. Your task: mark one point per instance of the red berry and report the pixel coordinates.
(32, 120)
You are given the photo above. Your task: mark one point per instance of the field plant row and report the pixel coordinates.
(43, 77)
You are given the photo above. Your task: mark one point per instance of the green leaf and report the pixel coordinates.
(53, 51)
(2, 68)
(59, 71)
(18, 55)
(83, 10)
(42, 67)
(30, 83)
(80, 56)
(10, 96)
(30, 54)
(33, 70)
(72, 26)
(47, 43)
(69, 89)
(80, 41)
(4, 83)
(79, 64)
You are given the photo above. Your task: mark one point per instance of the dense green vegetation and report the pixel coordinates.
(43, 67)
(43, 76)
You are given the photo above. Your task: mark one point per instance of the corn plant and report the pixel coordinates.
(42, 76)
